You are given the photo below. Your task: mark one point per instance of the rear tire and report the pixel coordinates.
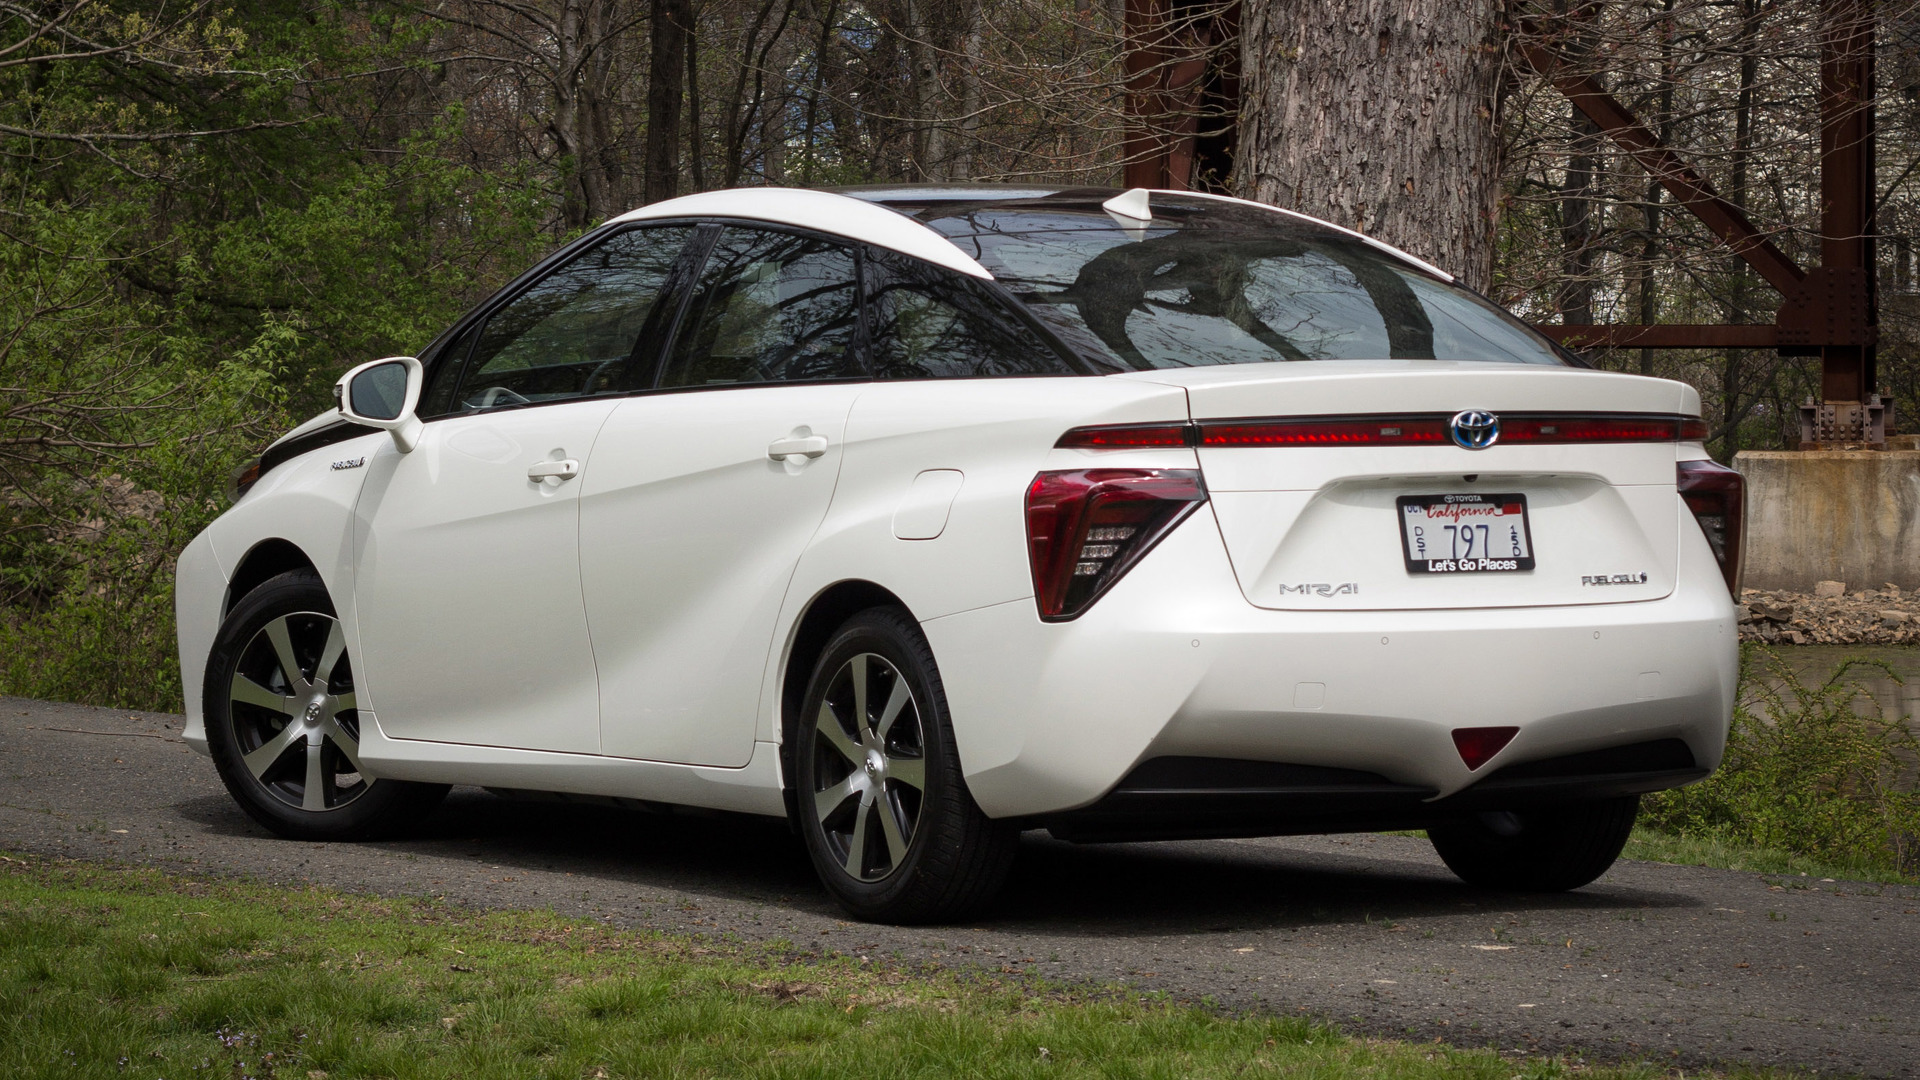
(878, 795)
(1547, 849)
(282, 722)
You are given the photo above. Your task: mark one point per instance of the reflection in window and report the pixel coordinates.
(575, 332)
(1184, 295)
(932, 323)
(769, 307)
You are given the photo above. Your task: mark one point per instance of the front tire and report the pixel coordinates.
(282, 722)
(1547, 849)
(878, 795)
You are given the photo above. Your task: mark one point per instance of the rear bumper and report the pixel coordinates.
(1190, 798)
(1174, 663)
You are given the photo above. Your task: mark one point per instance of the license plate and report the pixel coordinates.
(1465, 534)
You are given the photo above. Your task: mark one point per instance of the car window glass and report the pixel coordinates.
(1211, 283)
(769, 307)
(927, 322)
(573, 333)
(437, 398)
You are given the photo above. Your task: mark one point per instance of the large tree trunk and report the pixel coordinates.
(1379, 115)
(671, 21)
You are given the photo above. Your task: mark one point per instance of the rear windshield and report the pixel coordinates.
(1217, 283)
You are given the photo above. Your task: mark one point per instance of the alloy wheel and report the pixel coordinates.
(869, 767)
(291, 704)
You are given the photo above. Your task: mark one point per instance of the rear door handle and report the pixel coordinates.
(811, 446)
(564, 469)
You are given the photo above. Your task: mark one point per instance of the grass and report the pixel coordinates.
(109, 972)
(1726, 853)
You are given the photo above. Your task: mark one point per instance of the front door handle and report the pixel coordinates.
(810, 446)
(564, 469)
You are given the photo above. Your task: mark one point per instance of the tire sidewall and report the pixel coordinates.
(294, 591)
(1557, 848)
(885, 633)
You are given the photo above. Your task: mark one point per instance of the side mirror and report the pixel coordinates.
(383, 394)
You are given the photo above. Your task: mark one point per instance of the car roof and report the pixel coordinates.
(940, 205)
(826, 211)
(923, 220)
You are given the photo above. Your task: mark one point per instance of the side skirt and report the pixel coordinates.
(751, 789)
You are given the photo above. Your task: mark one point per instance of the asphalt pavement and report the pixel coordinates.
(1684, 966)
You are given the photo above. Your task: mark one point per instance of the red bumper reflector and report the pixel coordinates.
(1477, 745)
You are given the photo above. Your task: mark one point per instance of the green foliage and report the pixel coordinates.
(112, 439)
(123, 973)
(1811, 769)
(167, 307)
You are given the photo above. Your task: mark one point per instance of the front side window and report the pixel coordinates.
(575, 332)
(930, 323)
(769, 307)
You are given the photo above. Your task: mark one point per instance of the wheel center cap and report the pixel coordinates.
(876, 764)
(312, 715)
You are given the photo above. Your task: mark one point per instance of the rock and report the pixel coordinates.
(1895, 618)
(1772, 610)
(1795, 637)
(1829, 590)
(1745, 613)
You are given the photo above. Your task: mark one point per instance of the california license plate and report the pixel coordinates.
(1465, 534)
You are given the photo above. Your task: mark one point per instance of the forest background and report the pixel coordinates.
(209, 210)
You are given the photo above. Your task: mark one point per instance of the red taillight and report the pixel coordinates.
(1127, 437)
(1592, 429)
(1431, 429)
(1087, 527)
(1717, 497)
(1477, 745)
(1343, 431)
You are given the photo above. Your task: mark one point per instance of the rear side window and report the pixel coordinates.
(574, 333)
(930, 323)
(769, 307)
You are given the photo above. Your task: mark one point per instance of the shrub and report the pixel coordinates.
(1812, 768)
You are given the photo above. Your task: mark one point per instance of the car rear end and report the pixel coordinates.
(1346, 590)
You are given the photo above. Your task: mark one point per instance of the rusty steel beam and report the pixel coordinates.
(1847, 301)
(1172, 72)
(1692, 190)
(1668, 336)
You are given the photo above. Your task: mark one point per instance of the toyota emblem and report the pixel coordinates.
(1474, 429)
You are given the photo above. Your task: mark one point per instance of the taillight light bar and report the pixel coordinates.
(1088, 527)
(1717, 497)
(1128, 436)
(1426, 429)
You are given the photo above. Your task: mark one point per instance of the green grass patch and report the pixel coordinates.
(1727, 853)
(109, 972)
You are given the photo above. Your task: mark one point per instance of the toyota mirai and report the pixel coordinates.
(923, 516)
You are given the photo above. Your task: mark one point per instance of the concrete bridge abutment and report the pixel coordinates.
(1832, 515)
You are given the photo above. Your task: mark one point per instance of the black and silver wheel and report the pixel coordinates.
(878, 793)
(282, 721)
(1541, 849)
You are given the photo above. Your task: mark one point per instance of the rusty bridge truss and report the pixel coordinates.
(1184, 94)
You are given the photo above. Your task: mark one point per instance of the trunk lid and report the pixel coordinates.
(1320, 528)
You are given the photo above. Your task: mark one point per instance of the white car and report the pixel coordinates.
(923, 516)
